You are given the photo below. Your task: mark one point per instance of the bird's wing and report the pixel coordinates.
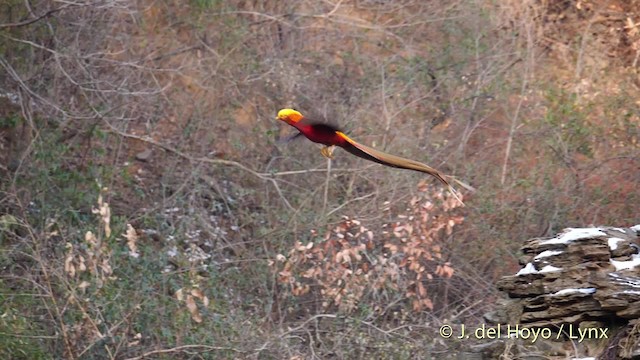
(289, 138)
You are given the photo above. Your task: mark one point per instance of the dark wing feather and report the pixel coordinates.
(290, 138)
(322, 126)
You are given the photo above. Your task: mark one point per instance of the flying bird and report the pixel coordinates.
(331, 136)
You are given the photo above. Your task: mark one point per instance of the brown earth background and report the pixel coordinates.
(147, 208)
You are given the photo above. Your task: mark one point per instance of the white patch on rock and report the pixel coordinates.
(629, 281)
(613, 243)
(547, 253)
(571, 291)
(550, 268)
(626, 265)
(528, 269)
(571, 234)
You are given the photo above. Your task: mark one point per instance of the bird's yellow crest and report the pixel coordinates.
(289, 115)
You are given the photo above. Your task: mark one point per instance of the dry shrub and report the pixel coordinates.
(94, 255)
(352, 264)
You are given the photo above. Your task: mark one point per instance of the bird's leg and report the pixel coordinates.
(327, 151)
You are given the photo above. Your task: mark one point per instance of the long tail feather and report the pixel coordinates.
(463, 184)
(383, 158)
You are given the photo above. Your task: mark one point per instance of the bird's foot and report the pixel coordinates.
(327, 151)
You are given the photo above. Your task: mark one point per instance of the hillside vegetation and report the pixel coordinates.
(148, 208)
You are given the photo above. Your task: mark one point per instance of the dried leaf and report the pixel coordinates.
(90, 239)
(105, 214)
(416, 305)
(193, 309)
(422, 292)
(180, 294)
(132, 237)
(106, 267)
(197, 293)
(631, 26)
(357, 256)
(136, 340)
(68, 266)
(392, 247)
(81, 264)
(444, 270)
(427, 303)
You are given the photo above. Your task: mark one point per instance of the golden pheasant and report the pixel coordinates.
(330, 136)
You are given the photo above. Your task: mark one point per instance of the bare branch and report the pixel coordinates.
(37, 18)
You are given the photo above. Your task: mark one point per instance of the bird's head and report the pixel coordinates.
(289, 116)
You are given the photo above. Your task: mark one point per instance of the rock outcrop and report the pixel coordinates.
(582, 279)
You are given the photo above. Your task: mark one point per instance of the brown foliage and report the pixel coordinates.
(352, 263)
